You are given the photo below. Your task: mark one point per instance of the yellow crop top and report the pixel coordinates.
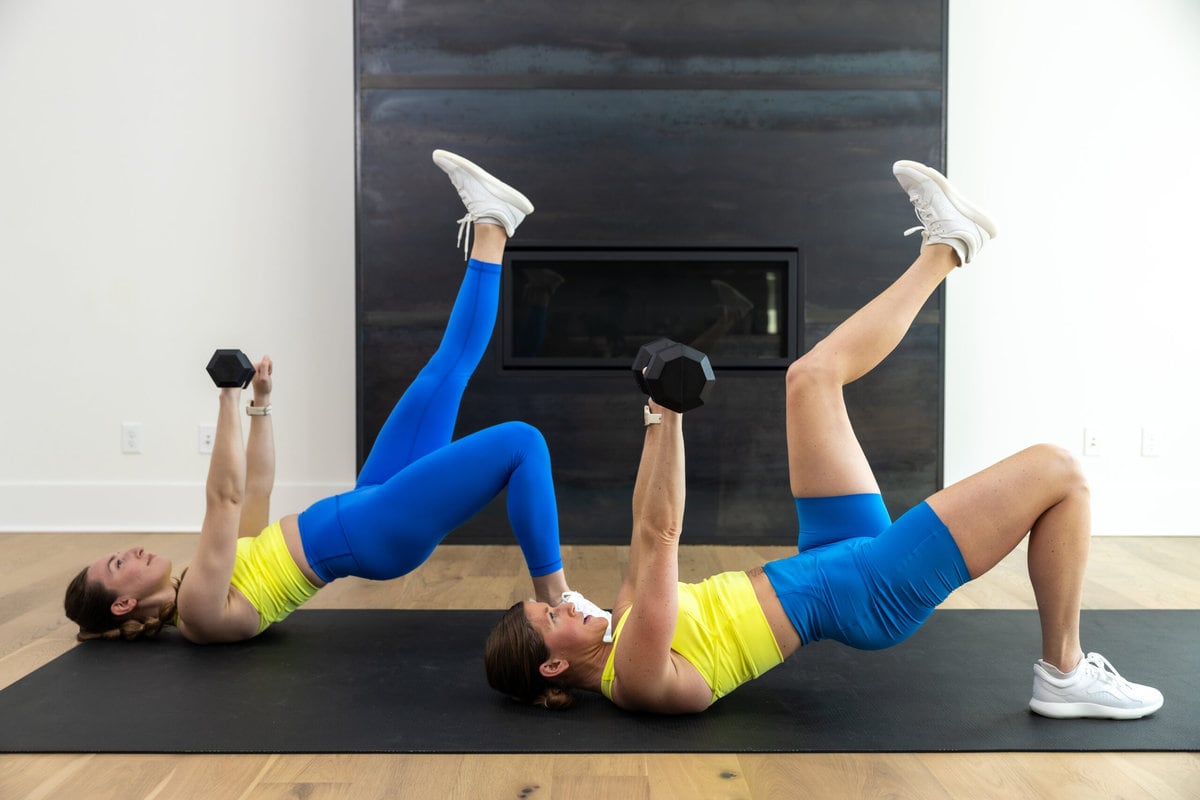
(267, 574)
(721, 630)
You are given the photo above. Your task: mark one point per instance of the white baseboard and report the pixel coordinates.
(96, 507)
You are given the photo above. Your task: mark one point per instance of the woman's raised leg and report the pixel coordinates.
(824, 456)
(417, 486)
(424, 417)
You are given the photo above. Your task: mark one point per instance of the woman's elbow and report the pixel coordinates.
(657, 531)
(224, 494)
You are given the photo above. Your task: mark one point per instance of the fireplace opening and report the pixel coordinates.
(589, 308)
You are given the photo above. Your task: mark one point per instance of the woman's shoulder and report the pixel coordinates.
(677, 688)
(680, 690)
(238, 621)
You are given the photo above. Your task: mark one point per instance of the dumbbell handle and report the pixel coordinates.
(642, 361)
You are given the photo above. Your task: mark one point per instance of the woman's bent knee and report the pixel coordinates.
(1063, 465)
(811, 374)
(525, 435)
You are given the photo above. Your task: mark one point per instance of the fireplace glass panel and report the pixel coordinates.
(593, 308)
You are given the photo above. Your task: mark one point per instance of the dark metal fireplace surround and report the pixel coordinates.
(716, 173)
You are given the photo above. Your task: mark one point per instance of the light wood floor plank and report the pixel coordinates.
(686, 776)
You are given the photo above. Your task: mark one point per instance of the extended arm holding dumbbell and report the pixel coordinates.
(647, 602)
(230, 368)
(205, 594)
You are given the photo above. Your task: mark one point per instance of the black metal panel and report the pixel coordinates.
(655, 124)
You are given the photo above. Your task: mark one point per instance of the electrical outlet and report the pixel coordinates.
(205, 434)
(1092, 442)
(131, 438)
(1150, 443)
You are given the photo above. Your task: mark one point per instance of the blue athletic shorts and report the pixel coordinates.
(860, 578)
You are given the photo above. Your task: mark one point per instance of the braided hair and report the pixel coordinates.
(89, 605)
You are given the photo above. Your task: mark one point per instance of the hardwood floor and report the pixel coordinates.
(34, 569)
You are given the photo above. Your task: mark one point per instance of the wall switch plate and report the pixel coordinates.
(1150, 443)
(205, 436)
(131, 438)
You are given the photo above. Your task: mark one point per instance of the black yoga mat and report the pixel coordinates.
(328, 681)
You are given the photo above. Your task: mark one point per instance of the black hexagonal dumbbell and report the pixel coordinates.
(230, 368)
(674, 375)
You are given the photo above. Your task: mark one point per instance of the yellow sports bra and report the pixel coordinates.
(721, 630)
(267, 574)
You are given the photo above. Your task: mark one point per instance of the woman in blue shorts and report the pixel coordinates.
(415, 487)
(859, 577)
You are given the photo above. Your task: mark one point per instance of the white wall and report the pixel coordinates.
(175, 178)
(1076, 124)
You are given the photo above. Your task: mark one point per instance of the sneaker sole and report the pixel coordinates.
(494, 185)
(1089, 710)
(969, 210)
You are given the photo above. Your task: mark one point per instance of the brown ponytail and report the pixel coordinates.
(512, 657)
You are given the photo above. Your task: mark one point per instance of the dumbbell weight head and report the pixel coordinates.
(678, 377)
(229, 368)
(643, 360)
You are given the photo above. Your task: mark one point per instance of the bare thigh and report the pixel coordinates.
(825, 458)
(990, 512)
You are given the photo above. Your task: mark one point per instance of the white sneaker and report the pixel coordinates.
(487, 199)
(585, 606)
(946, 217)
(1092, 689)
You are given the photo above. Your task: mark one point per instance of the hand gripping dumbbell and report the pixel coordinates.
(674, 375)
(229, 368)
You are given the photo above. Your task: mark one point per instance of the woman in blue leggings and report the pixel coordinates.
(416, 486)
(858, 577)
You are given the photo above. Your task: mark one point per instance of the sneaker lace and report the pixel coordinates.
(924, 213)
(1105, 672)
(464, 234)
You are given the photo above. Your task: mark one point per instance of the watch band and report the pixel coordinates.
(648, 418)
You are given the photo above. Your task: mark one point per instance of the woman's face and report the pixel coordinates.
(132, 573)
(564, 629)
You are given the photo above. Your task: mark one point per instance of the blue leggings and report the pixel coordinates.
(417, 485)
(861, 579)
